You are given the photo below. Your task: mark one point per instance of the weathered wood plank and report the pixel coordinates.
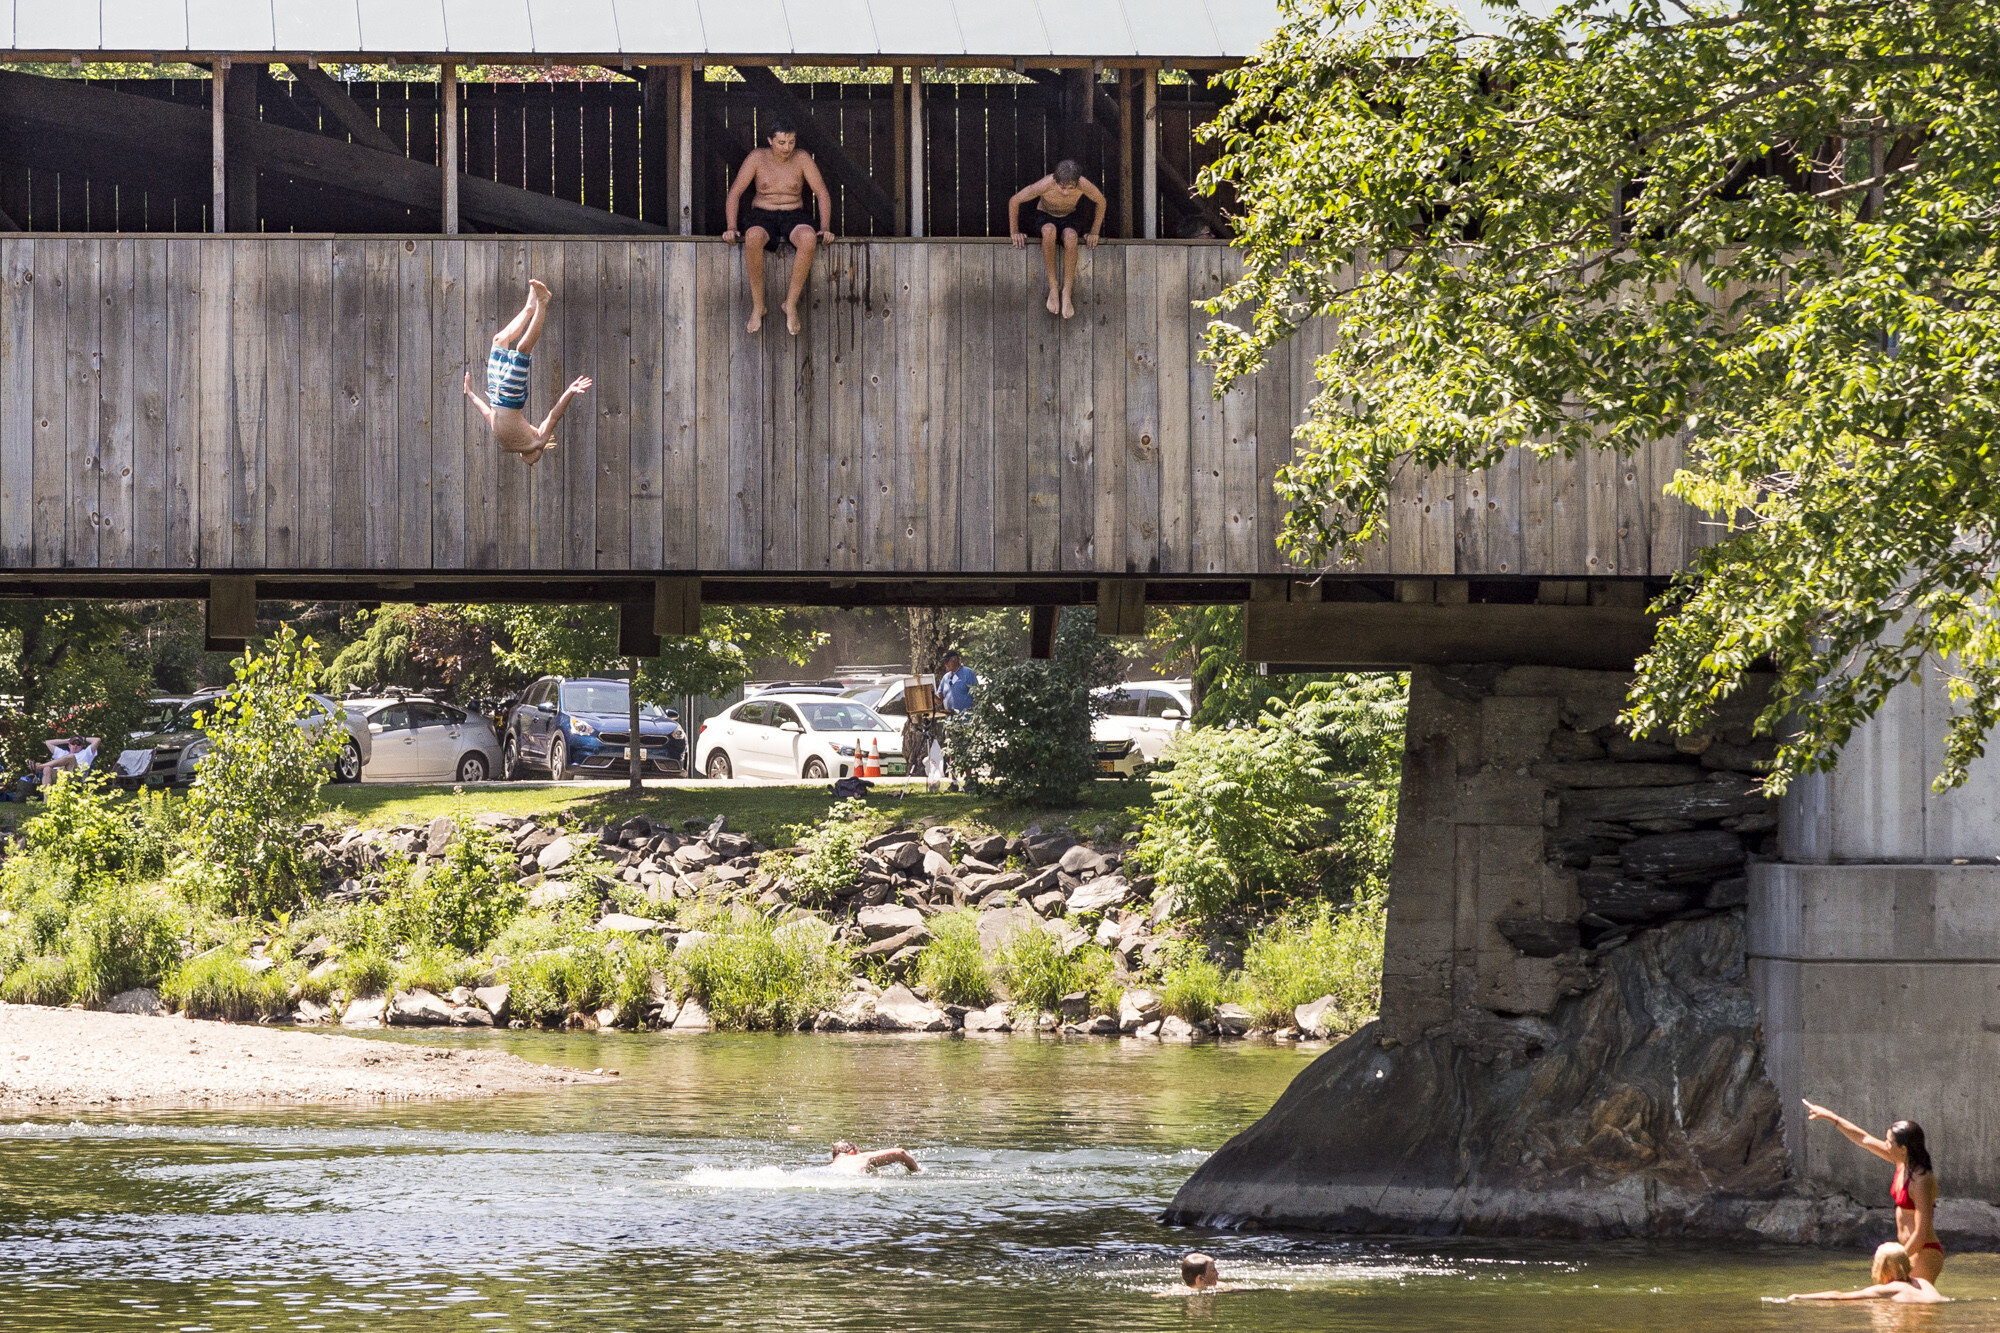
(714, 338)
(1173, 435)
(976, 529)
(1045, 436)
(448, 441)
(81, 376)
(880, 333)
(846, 326)
(944, 316)
(1140, 547)
(580, 309)
(611, 404)
(914, 438)
(787, 369)
(504, 288)
(1010, 406)
(312, 538)
(277, 481)
(1601, 473)
(380, 381)
(1110, 450)
(18, 344)
(1241, 487)
(117, 426)
(250, 350)
(1076, 377)
(810, 417)
(547, 505)
(1276, 419)
(1207, 434)
(645, 352)
(215, 411)
(1637, 492)
(348, 446)
(748, 357)
(183, 434)
(1666, 520)
(681, 476)
(143, 492)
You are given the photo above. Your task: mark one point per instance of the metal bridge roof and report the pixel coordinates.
(1194, 30)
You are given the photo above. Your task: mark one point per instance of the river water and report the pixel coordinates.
(667, 1202)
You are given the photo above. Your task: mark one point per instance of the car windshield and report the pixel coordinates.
(158, 717)
(843, 716)
(192, 717)
(607, 697)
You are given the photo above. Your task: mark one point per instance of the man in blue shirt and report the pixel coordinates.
(955, 683)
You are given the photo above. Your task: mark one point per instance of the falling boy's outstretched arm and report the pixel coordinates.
(477, 401)
(577, 387)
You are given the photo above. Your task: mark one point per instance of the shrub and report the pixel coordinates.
(1028, 733)
(220, 984)
(749, 974)
(1191, 985)
(556, 982)
(1038, 973)
(438, 970)
(1315, 951)
(831, 866)
(364, 972)
(459, 904)
(261, 778)
(952, 967)
(122, 937)
(41, 979)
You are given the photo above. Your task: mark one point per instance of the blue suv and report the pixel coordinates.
(567, 727)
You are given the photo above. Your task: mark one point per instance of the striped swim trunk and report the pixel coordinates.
(507, 378)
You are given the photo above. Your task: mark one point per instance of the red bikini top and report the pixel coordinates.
(1899, 1190)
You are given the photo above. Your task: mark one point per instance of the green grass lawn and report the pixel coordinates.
(762, 812)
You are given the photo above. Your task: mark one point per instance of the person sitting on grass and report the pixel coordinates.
(507, 368)
(1893, 1281)
(1057, 197)
(778, 215)
(68, 754)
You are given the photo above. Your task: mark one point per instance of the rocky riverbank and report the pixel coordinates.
(72, 1059)
(641, 883)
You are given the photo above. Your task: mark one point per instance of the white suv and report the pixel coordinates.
(1139, 718)
(793, 736)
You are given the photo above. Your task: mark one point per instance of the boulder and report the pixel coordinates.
(1074, 1007)
(993, 1018)
(556, 854)
(622, 923)
(1175, 1028)
(470, 1016)
(1007, 881)
(692, 1016)
(418, 1008)
(494, 999)
(893, 838)
(695, 856)
(991, 849)
(730, 845)
(1000, 924)
(940, 839)
(904, 856)
(1045, 903)
(1612, 898)
(307, 1012)
(879, 923)
(899, 1010)
(1136, 1008)
(607, 1019)
(1723, 795)
(1232, 1020)
(1100, 894)
(365, 1012)
(1315, 1019)
(550, 893)
(1081, 861)
(140, 1000)
(1104, 1025)
(692, 939)
(438, 836)
(936, 865)
(1048, 848)
(914, 938)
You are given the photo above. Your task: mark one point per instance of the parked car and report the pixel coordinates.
(794, 735)
(419, 738)
(1137, 720)
(158, 716)
(181, 745)
(565, 726)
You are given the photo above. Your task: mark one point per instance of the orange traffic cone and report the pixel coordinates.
(871, 767)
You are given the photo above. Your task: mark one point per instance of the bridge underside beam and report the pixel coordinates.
(1374, 636)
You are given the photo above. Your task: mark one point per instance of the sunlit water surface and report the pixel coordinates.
(670, 1201)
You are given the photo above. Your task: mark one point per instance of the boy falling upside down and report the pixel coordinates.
(1057, 198)
(507, 383)
(778, 216)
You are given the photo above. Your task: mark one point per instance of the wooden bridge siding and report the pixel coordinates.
(294, 403)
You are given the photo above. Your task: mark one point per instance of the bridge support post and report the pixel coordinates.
(1121, 607)
(1149, 153)
(676, 608)
(218, 190)
(1042, 632)
(232, 613)
(916, 151)
(448, 149)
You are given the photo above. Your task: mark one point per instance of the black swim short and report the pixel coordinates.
(779, 222)
(1078, 218)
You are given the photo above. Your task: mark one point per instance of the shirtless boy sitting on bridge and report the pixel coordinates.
(1057, 197)
(778, 215)
(507, 383)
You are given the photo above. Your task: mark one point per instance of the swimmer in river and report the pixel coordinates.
(1199, 1271)
(1893, 1281)
(849, 1160)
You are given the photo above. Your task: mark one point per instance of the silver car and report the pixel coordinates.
(422, 740)
(182, 742)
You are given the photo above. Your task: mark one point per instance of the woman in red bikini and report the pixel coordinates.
(1914, 1189)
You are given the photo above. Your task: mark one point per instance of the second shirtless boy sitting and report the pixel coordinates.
(777, 216)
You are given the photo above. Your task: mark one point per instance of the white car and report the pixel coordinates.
(1138, 720)
(416, 739)
(795, 735)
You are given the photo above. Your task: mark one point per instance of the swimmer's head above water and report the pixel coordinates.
(1199, 1271)
(841, 1148)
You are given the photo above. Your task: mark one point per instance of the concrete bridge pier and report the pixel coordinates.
(1874, 948)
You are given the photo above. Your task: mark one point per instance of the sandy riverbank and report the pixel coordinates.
(77, 1059)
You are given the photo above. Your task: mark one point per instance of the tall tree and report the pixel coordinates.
(1546, 209)
(63, 662)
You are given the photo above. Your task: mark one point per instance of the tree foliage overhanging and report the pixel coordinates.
(1765, 229)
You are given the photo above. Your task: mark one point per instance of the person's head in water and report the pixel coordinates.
(1199, 1271)
(1909, 1136)
(841, 1148)
(1892, 1264)
(1067, 172)
(782, 135)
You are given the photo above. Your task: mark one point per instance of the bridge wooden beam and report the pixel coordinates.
(1390, 636)
(676, 608)
(1042, 632)
(1121, 607)
(350, 114)
(232, 613)
(824, 147)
